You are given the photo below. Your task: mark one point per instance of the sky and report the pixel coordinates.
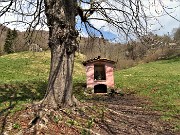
(162, 24)
(167, 22)
(165, 26)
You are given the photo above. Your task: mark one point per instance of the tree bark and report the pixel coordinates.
(62, 42)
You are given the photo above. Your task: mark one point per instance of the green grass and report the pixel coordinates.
(28, 66)
(20, 67)
(157, 81)
(23, 78)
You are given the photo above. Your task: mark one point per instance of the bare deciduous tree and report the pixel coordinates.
(125, 17)
(177, 35)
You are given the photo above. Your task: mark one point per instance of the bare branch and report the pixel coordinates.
(125, 17)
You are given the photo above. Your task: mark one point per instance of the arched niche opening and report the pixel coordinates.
(99, 72)
(100, 88)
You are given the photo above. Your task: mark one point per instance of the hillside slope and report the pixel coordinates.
(157, 81)
(26, 66)
(24, 76)
(156, 85)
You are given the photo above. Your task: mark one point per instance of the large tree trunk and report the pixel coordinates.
(62, 42)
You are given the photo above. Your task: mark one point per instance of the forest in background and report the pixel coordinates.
(151, 48)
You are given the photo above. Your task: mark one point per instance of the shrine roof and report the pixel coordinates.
(98, 59)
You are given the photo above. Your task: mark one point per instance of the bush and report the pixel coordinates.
(123, 64)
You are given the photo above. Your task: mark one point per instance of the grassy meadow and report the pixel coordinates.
(29, 66)
(157, 81)
(23, 79)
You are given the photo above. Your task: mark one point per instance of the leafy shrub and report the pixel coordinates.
(16, 126)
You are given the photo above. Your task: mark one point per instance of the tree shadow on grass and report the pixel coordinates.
(15, 94)
(22, 91)
(124, 115)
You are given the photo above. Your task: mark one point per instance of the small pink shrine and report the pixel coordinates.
(99, 73)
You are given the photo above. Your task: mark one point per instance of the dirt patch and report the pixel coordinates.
(100, 115)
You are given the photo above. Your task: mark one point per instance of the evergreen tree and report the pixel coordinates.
(14, 34)
(9, 42)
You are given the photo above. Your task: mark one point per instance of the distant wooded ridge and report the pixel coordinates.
(126, 55)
